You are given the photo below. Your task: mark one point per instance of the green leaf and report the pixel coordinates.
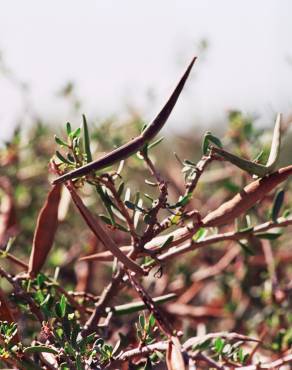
(208, 137)
(121, 189)
(62, 159)
(41, 278)
(39, 349)
(148, 365)
(79, 365)
(106, 219)
(200, 234)
(246, 229)
(269, 236)
(9, 244)
(128, 308)
(86, 139)
(215, 140)
(61, 306)
(256, 168)
(87, 340)
(76, 133)
(121, 227)
(60, 141)
(259, 157)
(151, 320)
(68, 128)
(155, 143)
(219, 345)
(147, 218)
(167, 242)
(142, 321)
(202, 346)
(247, 250)
(286, 213)
(106, 201)
(69, 349)
(182, 201)
(278, 202)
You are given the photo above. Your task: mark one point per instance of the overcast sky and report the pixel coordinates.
(116, 51)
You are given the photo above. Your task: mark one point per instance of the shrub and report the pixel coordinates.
(161, 261)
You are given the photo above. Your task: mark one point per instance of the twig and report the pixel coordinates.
(160, 202)
(183, 234)
(162, 346)
(224, 335)
(14, 259)
(219, 238)
(200, 168)
(138, 353)
(109, 291)
(211, 363)
(269, 365)
(163, 324)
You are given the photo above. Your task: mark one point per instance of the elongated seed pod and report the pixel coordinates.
(248, 197)
(137, 143)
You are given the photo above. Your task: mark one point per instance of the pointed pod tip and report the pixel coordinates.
(190, 66)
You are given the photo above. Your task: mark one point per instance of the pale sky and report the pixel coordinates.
(116, 51)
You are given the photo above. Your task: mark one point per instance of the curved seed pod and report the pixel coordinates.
(252, 167)
(247, 198)
(46, 227)
(137, 143)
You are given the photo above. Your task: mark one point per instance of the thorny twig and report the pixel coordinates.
(153, 226)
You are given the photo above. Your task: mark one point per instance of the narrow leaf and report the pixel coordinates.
(86, 140)
(140, 305)
(155, 143)
(247, 250)
(68, 128)
(60, 141)
(269, 236)
(278, 201)
(40, 349)
(167, 243)
(62, 158)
